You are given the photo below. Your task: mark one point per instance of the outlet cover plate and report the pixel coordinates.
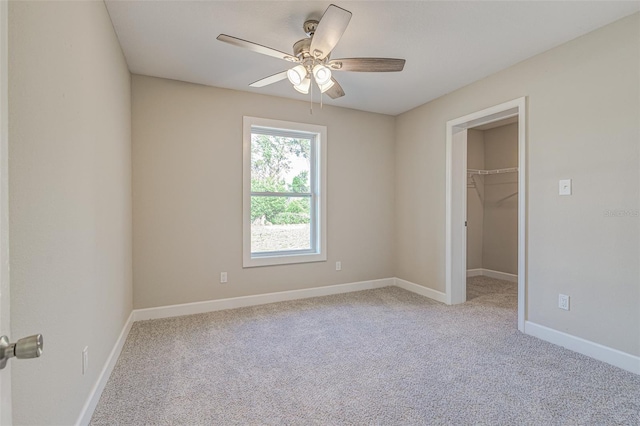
(563, 302)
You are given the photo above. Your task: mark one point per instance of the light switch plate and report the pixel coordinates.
(564, 187)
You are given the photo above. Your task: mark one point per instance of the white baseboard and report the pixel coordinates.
(500, 275)
(258, 299)
(492, 274)
(94, 396)
(585, 347)
(474, 272)
(421, 290)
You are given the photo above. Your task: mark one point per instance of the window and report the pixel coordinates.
(284, 192)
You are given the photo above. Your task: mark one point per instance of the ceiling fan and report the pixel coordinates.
(312, 56)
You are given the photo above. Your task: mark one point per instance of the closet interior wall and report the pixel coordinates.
(475, 199)
(492, 200)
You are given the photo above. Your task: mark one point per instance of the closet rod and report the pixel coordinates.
(491, 172)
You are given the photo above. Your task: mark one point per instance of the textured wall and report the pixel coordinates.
(70, 200)
(583, 104)
(187, 187)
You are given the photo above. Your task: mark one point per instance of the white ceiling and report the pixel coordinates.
(447, 44)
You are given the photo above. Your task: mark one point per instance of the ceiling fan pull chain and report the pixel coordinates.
(311, 100)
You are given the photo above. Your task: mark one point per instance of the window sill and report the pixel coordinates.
(283, 260)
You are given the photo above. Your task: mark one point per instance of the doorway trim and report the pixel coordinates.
(5, 375)
(456, 200)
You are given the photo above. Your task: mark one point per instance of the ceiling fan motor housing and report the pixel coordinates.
(301, 50)
(310, 26)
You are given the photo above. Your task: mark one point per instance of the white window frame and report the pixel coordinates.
(318, 251)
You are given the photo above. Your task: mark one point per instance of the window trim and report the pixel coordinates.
(318, 196)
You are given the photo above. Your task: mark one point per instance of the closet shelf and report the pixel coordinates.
(471, 172)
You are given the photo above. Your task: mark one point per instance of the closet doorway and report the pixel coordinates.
(486, 200)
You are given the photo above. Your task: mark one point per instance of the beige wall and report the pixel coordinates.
(70, 200)
(500, 226)
(475, 198)
(187, 186)
(583, 106)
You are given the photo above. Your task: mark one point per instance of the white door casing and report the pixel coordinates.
(456, 200)
(5, 374)
(457, 249)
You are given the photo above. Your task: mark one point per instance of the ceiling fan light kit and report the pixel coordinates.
(312, 56)
(322, 74)
(303, 87)
(297, 74)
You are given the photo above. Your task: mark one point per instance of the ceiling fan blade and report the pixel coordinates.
(258, 48)
(367, 64)
(335, 91)
(330, 28)
(269, 80)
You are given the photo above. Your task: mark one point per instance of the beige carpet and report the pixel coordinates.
(384, 357)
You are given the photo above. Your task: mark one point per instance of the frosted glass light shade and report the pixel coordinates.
(296, 74)
(303, 87)
(324, 87)
(322, 74)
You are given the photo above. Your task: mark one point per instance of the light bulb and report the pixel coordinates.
(322, 74)
(303, 87)
(324, 87)
(296, 74)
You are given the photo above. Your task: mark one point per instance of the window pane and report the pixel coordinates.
(280, 223)
(280, 164)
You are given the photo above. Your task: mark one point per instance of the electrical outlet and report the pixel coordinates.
(223, 277)
(85, 360)
(338, 266)
(563, 302)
